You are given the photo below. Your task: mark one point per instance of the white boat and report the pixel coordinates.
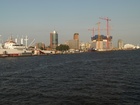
(11, 48)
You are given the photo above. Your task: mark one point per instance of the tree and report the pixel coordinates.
(62, 47)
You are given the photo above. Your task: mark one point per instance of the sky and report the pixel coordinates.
(37, 18)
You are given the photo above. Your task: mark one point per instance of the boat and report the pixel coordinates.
(92, 49)
(11, 48)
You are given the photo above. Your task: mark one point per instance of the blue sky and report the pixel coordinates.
(37, 18)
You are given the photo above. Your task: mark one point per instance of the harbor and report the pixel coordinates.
(69, 52)
(11, 48)
(19, 47)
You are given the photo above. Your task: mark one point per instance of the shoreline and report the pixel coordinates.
(32, 55)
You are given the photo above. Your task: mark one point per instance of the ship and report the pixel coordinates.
(12, 48)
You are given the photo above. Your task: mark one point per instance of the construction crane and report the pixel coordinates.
(107, 29)
(99, 34)
(31, 42)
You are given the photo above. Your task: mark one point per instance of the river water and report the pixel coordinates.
(94, 78)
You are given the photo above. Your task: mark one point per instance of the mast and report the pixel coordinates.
(26, 41)
(21, 41)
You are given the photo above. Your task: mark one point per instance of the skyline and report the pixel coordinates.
(38, 18)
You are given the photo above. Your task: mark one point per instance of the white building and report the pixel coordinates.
(129, 46)
(120, 44)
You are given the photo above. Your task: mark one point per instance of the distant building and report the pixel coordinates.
(100, 42)
(76, 36)
(129, 46)
(74, 44)
(40, 46)
(120, 44)
(53, 40)
(85, 46)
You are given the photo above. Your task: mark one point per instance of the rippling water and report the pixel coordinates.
(97, 78)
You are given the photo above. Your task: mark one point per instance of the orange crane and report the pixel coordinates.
(107, 28)
(99, 35)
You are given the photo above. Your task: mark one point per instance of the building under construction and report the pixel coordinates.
(101, 42)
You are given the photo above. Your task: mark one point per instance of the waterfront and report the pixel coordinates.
(93, 78)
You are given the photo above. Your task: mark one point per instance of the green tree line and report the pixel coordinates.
(62, 47)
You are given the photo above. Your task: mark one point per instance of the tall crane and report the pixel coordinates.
(107, 29)
(26, 41)
(99, 34)
(31, 42)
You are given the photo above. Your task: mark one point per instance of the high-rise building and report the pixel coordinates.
(53, 40)
(74, 43)
(76, 36)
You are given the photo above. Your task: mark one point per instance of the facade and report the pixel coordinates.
(53, 40)
(76, 36)
(129, 46)
(40, 46)
(85, 46)
(73, 44)
(100, 42)
(120, 44)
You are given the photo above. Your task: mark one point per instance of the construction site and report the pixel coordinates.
(99, 41)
